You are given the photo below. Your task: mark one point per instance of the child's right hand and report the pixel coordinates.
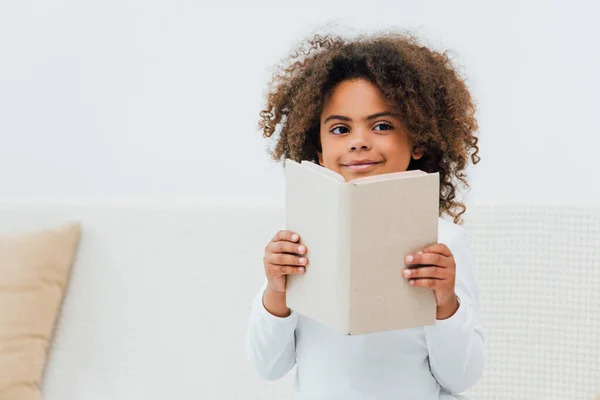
(283, 256)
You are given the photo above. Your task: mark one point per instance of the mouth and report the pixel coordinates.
(361, 165)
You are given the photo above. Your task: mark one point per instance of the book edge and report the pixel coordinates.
(345, 264)
(390, 176)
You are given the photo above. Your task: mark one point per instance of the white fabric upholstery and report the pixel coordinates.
(539, 287)
(160, 294)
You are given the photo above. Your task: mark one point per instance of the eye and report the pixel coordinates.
(336, 131)
(384, 127)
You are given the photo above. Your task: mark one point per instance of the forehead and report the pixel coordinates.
(357, 97)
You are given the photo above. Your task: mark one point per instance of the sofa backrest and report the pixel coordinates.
(539, 288)
(160, 295)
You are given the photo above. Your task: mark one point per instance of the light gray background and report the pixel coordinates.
(160, 99)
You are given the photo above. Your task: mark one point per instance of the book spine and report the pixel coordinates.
(345, 253)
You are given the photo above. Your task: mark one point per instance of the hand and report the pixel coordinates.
(283, 256)
(434, 267)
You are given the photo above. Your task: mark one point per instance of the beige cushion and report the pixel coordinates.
(34, 270)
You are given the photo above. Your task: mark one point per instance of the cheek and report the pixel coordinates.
(399, 150)
(326, 159)
(328, 150)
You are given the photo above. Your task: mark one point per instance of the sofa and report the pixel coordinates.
(159, 297)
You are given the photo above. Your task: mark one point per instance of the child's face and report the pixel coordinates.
(359, 136)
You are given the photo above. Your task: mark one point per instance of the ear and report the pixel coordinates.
(417, 152)
(320, 156)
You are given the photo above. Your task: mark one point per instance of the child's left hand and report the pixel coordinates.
(435, 270)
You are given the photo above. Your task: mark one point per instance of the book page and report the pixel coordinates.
(391, 219)
(387, 177)
(312, 209)
(322, 170)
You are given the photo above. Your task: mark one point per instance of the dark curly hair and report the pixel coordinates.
(421, 84)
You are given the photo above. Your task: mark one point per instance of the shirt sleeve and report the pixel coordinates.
(270, 340)
(456, 344)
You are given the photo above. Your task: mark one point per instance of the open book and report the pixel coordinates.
(357, 234)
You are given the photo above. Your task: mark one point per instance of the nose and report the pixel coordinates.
(359, 140)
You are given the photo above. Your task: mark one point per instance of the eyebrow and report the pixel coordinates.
(370, 117)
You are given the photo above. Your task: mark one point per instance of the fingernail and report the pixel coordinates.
(407, 272)
(301, 249)
(301, 269)
(302, 260)
(420, 252)
(409, 258)
(411, 282)
(294, 237)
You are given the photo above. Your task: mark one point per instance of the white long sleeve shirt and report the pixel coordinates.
(427, 363)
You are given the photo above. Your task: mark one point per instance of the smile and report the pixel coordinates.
(362, 165)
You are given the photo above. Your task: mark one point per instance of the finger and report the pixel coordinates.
(426, 283)
(425, 272)
(439, 248)
(428, 259)
(277, 270)
(285, 235)
(286, 247)
(286, 259)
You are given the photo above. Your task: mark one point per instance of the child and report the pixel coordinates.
(374, 105)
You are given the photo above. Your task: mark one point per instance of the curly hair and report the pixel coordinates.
(421, 84)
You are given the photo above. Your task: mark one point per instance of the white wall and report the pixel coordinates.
(158, 99)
